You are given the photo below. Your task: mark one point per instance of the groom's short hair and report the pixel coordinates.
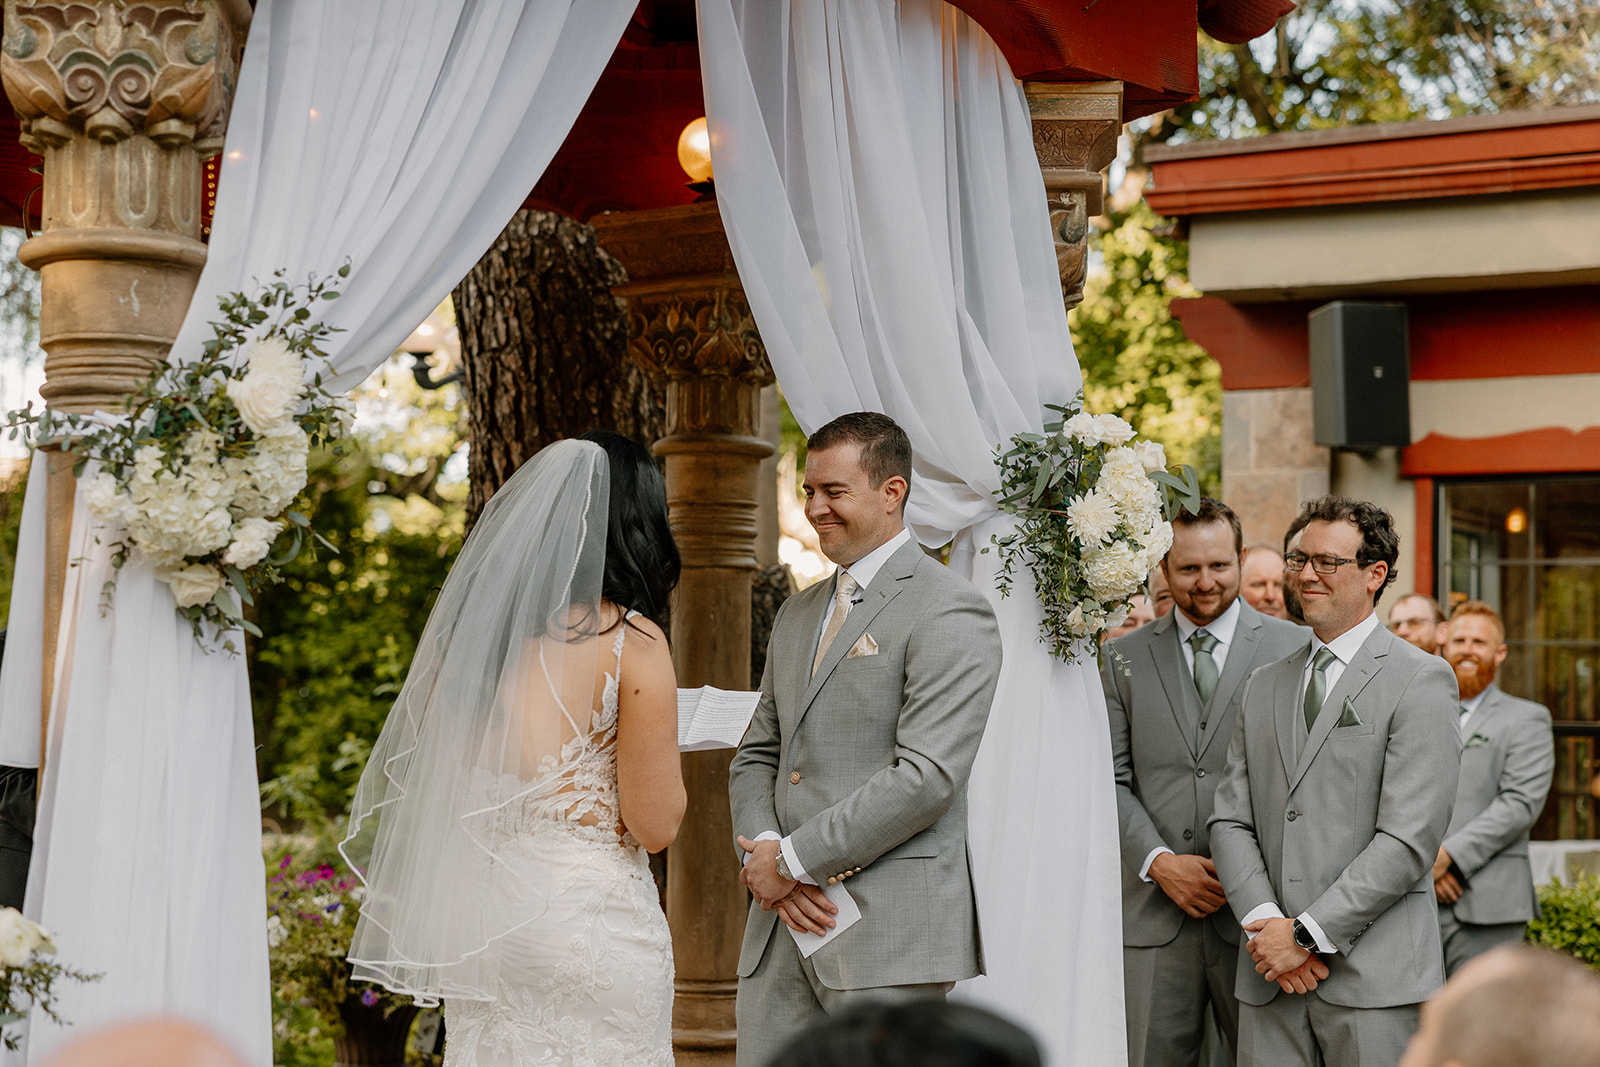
(885, 448)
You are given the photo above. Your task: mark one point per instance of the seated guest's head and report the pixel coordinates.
(150, 1043)
(1160, 595)
(1417, 618)
(1140, 613)
(1474, 646)
(922, 1032)
(1515, 1006)
(1261, 580)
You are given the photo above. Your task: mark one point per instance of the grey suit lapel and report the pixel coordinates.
(1182, 700)
(1286, 706)
(1246, 636)
(795, 661)
(1363, 668)
(884, 588)
(1493, 700)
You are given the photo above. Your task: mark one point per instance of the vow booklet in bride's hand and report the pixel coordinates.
(846, 918)
(709, 717)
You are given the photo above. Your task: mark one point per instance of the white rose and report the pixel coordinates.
(252, 539)
(1151, 454)
(1084, 428)
(191, 585)
(271, 387)
(18, 938)
(1113, 430)
(1092, 518)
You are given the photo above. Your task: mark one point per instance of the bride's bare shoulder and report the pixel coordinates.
(647, 628)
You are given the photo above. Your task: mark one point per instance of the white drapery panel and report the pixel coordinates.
(876, 174)
(402, 135)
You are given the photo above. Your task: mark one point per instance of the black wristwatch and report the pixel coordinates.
(1302, 936)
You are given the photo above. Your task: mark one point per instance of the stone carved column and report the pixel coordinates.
(1075, 131)
(690, 324)
(124, 100)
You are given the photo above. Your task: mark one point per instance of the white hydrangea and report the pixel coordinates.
(252, 540)
(1114, 572)
(1092, 518)
(271, 388)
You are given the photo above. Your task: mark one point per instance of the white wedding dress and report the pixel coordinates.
(587, 982)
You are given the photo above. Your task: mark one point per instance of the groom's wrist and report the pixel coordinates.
(783, 868)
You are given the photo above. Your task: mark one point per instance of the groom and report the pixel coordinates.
(854, 770)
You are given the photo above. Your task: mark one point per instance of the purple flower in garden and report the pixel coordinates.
(325, 872)
(333, 907)
(283, 864)
(369, 997)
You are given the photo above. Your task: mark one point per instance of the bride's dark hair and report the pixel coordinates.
(642, 562)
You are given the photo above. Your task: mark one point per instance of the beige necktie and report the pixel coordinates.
(841, 608)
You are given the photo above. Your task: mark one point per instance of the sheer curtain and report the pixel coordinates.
(876, 175)
(402, 135)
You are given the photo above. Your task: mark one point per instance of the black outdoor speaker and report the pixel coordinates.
(1360, 375)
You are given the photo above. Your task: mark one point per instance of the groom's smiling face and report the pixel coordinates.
(851, 517)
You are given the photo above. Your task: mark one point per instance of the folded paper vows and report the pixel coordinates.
(848, 914)
(709, 717)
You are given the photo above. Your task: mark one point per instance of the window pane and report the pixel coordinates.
(1489, 520)
(1569, 604)
(1567, 519)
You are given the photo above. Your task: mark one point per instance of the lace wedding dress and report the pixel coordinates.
(587, 982)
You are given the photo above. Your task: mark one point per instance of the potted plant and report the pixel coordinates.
(311, 915)
(1570, 919)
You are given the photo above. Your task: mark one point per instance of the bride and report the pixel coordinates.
(528, 765)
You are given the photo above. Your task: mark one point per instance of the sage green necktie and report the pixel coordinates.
(1317, 689)
(1205, 667)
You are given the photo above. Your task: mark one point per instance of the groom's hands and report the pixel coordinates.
(802, 907)
(760, 873)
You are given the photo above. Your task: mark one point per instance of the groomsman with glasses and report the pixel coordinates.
(1482, 876)
(1341, 778)
(1172, 691)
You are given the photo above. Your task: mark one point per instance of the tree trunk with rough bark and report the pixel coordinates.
(544, 347)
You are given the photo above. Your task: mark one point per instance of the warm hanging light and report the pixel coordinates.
(1516, 521)
(694, 150)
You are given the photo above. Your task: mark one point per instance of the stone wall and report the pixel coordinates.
(1269, 461)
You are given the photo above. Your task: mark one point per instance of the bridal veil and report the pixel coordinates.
(495, 711)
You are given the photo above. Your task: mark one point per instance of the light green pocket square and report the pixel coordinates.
(1476, 740)
(1347, 715)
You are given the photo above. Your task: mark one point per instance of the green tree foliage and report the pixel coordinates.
(1136, 361)
(340, 630)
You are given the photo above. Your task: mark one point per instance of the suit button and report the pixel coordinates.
(1202, 726)
(1293, 815)
(1201, 773)
(1187, 834)
(794, 777)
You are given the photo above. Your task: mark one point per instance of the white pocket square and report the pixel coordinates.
(866, 646)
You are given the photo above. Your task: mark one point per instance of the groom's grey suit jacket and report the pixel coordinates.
(1344, 823)
(864, 766)
(1169, 754)
(1506, 766)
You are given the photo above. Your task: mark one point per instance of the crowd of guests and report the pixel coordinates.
(1322, 818)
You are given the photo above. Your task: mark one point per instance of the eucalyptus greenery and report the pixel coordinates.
(1092, 508)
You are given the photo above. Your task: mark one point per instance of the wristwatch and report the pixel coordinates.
(783, 867)
(1302, 936)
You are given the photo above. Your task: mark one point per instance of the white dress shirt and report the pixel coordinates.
(1222, 628)
(1468, 707)
(1344, 647)
(863, 571)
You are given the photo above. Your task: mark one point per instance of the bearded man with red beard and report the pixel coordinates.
(1481, 876)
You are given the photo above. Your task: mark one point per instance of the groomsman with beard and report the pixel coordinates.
(1481, 876)
(1172, 691)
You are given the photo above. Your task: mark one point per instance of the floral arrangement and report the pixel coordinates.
(199, 475)
(311, 915)
(1092, 505)
(27, 977)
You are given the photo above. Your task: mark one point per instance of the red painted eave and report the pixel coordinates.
(1557, 148)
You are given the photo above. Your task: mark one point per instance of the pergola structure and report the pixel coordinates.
(126, 99)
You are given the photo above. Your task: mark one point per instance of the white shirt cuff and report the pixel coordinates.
(793, 861)
(765, 835)
(1144, 872)
(1269, 910)
(1323, 944)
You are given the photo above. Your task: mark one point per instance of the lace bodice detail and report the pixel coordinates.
(579, 788)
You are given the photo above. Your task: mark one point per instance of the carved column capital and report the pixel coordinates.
(123, 99)
(110, 70)
(1075, 131)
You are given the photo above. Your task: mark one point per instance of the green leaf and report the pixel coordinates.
(297, 518)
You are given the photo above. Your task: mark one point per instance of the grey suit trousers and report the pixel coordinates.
(1166, 1020)
(1462, 941)
(783, 996)
(1303, 1030)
